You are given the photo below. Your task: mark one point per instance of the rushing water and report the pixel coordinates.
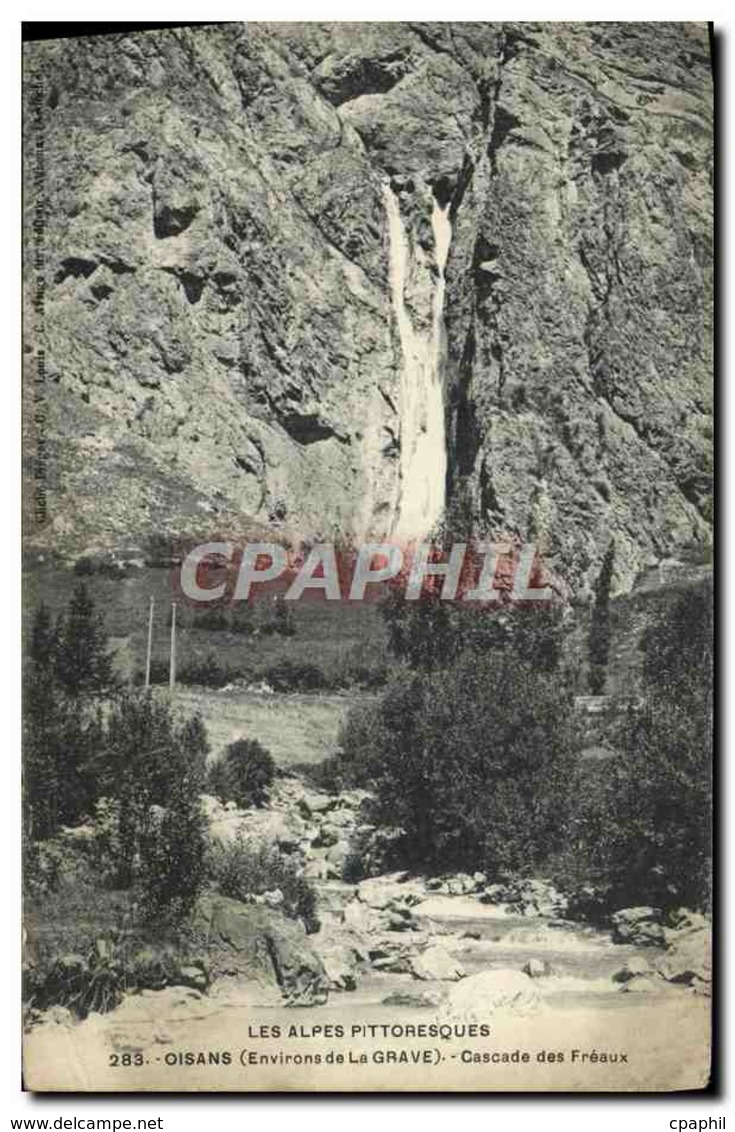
(423, 447)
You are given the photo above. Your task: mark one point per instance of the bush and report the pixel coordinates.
(328, 775)
(642, 823)
(148, 759)
(214, 619)
(242, 869)
(206, 673)
(431, 634)
(104, 567)
(171, 869)
(159, 673)
(243, 774)
(471, 763)
(291, 675)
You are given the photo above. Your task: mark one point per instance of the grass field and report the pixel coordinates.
(295, 727)
(330, 635)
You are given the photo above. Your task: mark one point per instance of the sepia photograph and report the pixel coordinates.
(367, 557)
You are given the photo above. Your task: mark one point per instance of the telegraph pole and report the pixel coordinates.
(150, 645)
(172, 665)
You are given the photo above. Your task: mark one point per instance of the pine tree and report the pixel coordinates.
(82, 662)
(61, 736)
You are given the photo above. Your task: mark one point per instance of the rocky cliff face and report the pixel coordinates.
(221, 326)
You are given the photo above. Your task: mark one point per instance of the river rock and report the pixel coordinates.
(316, 868)
(479, 997)
(640, 926)
(640, 984)
(537, 968)
(340, 964)
(436, 963)
(496, 894)
(341, 817)
(380, 892)
(689, 958)
(328, 835)
(386, 957)
(415, 999)
(635, 967)
(194, 977)
(401, 920)
(256, 942)
(360, 917)
(337, 854)
(313, 804)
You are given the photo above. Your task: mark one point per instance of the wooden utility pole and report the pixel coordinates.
(172, 665)
(150, 645)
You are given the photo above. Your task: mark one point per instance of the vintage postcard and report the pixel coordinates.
(367, 504)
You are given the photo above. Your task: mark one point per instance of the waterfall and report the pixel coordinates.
(423, 446)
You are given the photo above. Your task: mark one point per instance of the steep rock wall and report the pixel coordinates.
(222, 343)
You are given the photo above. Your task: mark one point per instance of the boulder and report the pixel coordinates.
(460, 885)
(640, 926)
(435, 963)
(537, 968)
(636, 967)
(194, 977)
(683, 920)
(273, 827)
(337, 854)
(496, 894)
(377, 894)
(311, 804)
(640, 984)
(328, 835)
(352, 799)
(417, 999)
(401, 920)
(340, 964)
(481, 996)
(386, 958)
(360, 917)
(316, 868)
(273, 898)
(341, 817)
(688, 958)
(532, 897)
(257, 942)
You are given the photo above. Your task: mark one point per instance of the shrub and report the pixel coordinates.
(104, 566)
(290, 675)
(171, 869)
(159, 673)
(242, 869)
(642, 822)
(243, 774)
(431, 634)
(215, 619)
(206, 673)
(328, 775)
(472, 763)
(149, 759)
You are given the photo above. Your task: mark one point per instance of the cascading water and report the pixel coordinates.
(423, 446)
